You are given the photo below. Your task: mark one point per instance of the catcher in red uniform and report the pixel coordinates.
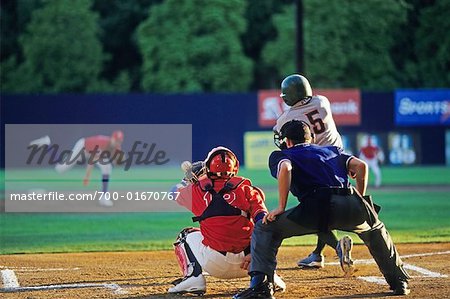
(227, 207)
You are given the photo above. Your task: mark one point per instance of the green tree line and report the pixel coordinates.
(111, 46)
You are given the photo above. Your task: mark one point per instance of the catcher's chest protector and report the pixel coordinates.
(218, 205)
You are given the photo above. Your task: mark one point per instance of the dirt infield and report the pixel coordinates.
(148, 275)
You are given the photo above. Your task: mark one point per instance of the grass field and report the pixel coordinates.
(415, 201)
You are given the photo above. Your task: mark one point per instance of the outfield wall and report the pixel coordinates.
(217, 119)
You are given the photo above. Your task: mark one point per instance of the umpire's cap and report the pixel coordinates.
(296, 130)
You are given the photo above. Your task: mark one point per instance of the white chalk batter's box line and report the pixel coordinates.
(11, 283)
(33, 269)
(424, 272)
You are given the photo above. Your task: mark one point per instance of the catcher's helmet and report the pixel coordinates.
(221, 162)
(295, 88)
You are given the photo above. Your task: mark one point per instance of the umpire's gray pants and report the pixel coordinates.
(347, 213)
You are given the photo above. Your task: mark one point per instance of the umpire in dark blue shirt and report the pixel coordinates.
(318, 177)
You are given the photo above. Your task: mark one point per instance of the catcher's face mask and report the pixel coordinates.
(296, 130)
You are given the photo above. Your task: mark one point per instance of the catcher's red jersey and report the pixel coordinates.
(225, 233)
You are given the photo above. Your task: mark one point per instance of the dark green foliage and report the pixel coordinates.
(219, 45)
(279, 54)
(118, 21)
(347, 43)
(369, 41)
(61, 50)
(432, 47)
(194, 46)
(260, 30)
(15, 14)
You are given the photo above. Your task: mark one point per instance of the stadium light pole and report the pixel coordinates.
(299, 42)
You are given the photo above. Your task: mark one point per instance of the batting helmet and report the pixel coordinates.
(221, 162)
(295, 88)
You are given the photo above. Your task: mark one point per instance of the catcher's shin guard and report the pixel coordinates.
(186, 259)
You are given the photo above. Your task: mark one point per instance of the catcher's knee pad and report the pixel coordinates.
(186, 259)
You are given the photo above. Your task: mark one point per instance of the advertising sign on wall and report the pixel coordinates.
(422, 107)
(345, 106)
(270, 107)
(257, 148)
(395, 148)
(403, 148)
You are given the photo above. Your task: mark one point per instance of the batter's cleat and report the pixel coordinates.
(278, 284)
(344, 252)
(401, 288)
(193, 285)
(313, 260)
(41, 141)
(263, 290)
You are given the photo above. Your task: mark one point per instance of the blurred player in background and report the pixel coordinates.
(373, 156)
(89, 145)
(226, 206)
(315, 110)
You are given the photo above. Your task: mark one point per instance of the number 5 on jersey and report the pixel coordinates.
(316, 122)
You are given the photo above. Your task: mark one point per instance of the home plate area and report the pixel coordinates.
(149, 274)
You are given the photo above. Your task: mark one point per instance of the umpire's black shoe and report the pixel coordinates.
(263, 290)
(401, 288)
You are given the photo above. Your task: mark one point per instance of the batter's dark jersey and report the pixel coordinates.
(313, 167)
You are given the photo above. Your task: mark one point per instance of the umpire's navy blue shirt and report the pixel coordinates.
(313, 167)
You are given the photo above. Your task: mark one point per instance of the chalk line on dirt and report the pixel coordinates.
(9, 279)
(371, 261)
(11, 284)
(45, 270)
(112, 286)
(424, 272)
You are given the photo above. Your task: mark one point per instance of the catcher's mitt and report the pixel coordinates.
(192, 171)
